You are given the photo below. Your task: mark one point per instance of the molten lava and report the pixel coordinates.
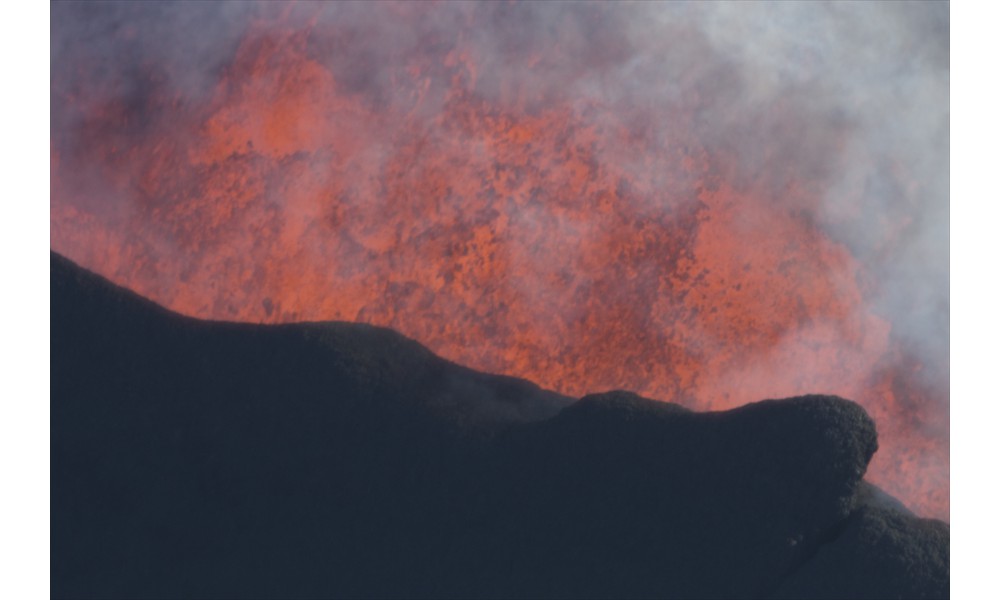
(393, 164)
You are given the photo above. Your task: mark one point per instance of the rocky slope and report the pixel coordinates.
(216, 460)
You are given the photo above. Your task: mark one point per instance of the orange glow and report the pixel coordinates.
(507, 227)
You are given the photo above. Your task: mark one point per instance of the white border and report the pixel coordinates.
(24, 420)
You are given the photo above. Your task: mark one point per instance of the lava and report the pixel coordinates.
(520, 188)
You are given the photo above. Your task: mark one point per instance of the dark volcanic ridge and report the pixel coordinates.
(218, 460)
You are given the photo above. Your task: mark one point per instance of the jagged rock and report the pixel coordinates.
(201, 459)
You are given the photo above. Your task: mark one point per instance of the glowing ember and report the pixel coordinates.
(588, 196)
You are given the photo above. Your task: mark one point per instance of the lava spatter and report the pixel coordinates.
(519, 188)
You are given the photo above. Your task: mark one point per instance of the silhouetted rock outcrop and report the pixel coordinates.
(205, 459)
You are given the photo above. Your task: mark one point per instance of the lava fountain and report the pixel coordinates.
(705, 203)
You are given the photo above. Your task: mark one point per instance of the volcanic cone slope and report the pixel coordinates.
(219, 460)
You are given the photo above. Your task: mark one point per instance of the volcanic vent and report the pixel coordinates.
(704, 204)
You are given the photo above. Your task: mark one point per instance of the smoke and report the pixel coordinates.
(703, 202)
(874, 81)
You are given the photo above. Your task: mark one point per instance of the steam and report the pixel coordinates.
(192, 139)
(875, 80)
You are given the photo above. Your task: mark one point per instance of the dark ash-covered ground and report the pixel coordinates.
(194, 459)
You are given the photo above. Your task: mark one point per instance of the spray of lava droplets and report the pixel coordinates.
(705, 203)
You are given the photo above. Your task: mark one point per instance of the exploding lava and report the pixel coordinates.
(519, 192)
